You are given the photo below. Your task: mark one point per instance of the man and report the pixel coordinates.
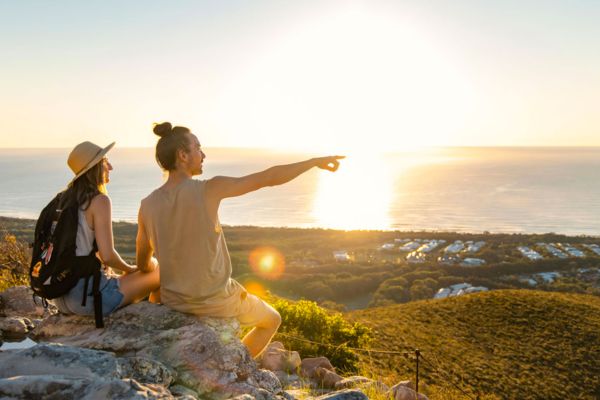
(178, 222)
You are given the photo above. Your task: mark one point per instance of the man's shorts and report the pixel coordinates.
(254, 310)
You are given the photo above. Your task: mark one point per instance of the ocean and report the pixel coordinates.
(510, 190)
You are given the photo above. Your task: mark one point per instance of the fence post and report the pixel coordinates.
(417, 354)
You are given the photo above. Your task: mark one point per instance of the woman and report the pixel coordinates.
(88, 189)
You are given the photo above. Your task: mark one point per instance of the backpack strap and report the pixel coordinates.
(97, 300)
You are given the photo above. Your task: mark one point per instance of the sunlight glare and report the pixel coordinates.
(350, 74)
(357, 196)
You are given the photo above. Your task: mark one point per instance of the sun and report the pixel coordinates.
(357, 196)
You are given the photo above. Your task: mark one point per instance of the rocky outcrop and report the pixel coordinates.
(148, 351)
(53, 370)
(205, 355)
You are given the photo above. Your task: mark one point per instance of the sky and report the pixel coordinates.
(301, 75)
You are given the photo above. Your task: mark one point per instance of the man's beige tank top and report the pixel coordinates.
(195, 268)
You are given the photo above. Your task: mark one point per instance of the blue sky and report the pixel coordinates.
(303, 74)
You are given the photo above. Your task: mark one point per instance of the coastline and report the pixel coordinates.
(30, 222)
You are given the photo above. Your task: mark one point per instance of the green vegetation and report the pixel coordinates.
(508, 343)
(498, 344)
(304, 325)
(14, 262)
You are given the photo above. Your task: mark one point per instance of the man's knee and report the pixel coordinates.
(276, 320)
(272, 320)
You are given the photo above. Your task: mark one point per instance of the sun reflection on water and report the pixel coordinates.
(357, 196)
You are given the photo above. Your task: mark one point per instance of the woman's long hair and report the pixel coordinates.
(83, 189)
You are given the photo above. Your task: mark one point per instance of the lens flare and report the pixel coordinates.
(267, 262)
(255, 288)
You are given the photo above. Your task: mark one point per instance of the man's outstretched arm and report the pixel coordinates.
(221, 187)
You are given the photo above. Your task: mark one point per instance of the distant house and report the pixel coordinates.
(341, 256)
(593, 247)
(458, 290)
(472, 262)
(430, 246)
(573, 251)
(529, 253)
(548, 277)
(442, 293)
(459, 286)
(410, 246)
(552, 250)
(472, 248)
(449, 259)
(527, 280)
(475, 289)
(416, 257)
(455, 247)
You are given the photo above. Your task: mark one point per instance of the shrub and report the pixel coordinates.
(307, 321)
(14, 262)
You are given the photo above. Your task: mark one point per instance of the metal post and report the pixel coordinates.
(417, 354)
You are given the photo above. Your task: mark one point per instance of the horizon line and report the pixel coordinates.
(305, 150)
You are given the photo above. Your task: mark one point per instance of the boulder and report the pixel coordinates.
(347, 394)
(204, 355)
(361, 382)
(308, 366)
(60, 387)
(400, 392)
(56, 371)
(277, 358)
(405, 390)
(18, 301)
(326, 378)
(15, 326)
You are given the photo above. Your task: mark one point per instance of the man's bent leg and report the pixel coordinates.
(265, 320)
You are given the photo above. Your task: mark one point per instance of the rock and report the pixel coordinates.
(326, 378)
(400, 392)
(61, 387)
(405, 390)
(309, 365)
(15, 326)
(204, 355)
(146, 370)
(55, 359)
(347, 394)
(183, 393)
(56, 371)
(355, 381)
(407, 383)
(277, 358)
(289, 380)
(17, 301)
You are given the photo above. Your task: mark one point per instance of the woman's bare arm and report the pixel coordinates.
(101, 209)
(143, 254)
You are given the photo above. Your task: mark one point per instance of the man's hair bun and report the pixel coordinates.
(163, 129)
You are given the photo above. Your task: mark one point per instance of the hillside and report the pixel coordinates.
(507, 343)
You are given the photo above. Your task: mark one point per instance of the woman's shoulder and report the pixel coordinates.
(100, 201)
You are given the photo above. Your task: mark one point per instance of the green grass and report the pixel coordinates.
(507, 343)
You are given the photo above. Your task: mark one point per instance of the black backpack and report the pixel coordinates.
(55, 269)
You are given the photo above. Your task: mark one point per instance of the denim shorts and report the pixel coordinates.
(71, 302)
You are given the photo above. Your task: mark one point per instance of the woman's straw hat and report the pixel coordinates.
(84, 156)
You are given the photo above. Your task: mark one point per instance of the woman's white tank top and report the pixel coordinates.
(84, 240)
